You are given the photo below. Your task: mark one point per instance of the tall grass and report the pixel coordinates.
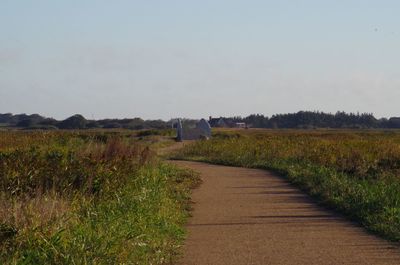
(357, 173)
(87, 198)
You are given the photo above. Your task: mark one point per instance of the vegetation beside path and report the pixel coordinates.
(354, 172)
(90, 198)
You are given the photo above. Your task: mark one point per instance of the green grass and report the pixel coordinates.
(140, 223)
(71, 198)
(353, 172)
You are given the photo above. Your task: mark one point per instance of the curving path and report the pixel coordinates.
(249, 216)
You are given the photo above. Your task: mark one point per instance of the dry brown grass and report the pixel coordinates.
(58, 176)
(115, 148)
(29, 213)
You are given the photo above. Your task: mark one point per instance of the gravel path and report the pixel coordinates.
(249, 216)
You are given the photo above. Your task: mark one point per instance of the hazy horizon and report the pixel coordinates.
(165, 59)
(174, 118)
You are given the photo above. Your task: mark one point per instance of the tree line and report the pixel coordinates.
(316, 119)
(77, 121)
(299, 120)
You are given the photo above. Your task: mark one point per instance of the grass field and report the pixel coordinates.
(355, 172)
(91, 197)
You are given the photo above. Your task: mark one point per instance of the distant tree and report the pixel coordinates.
(49, 121)
(25, 123)
(74, 122)
(6, 118)
(383, 123)
(256, 120)
(314, 119)
(112, 125)
(394, 122)
(19, 117)
(156, 124)
(92, 124)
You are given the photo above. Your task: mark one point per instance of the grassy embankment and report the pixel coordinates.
(354, 172)
(89, 198)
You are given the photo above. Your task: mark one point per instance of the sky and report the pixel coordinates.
(165, 59)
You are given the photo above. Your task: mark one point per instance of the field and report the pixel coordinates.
(105, 197)
(90, 197)
(356, 173)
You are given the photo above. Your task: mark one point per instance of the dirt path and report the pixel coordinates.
(248, 216)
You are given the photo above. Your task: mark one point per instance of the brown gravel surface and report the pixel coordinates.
(249, 216)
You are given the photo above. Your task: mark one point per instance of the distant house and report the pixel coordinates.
(217, 122)
(240, 125)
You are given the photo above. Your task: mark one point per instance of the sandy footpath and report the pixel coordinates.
(248, 216)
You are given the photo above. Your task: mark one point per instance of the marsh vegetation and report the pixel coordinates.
(90, 197)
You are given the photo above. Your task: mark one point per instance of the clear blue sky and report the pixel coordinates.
(163, 59)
